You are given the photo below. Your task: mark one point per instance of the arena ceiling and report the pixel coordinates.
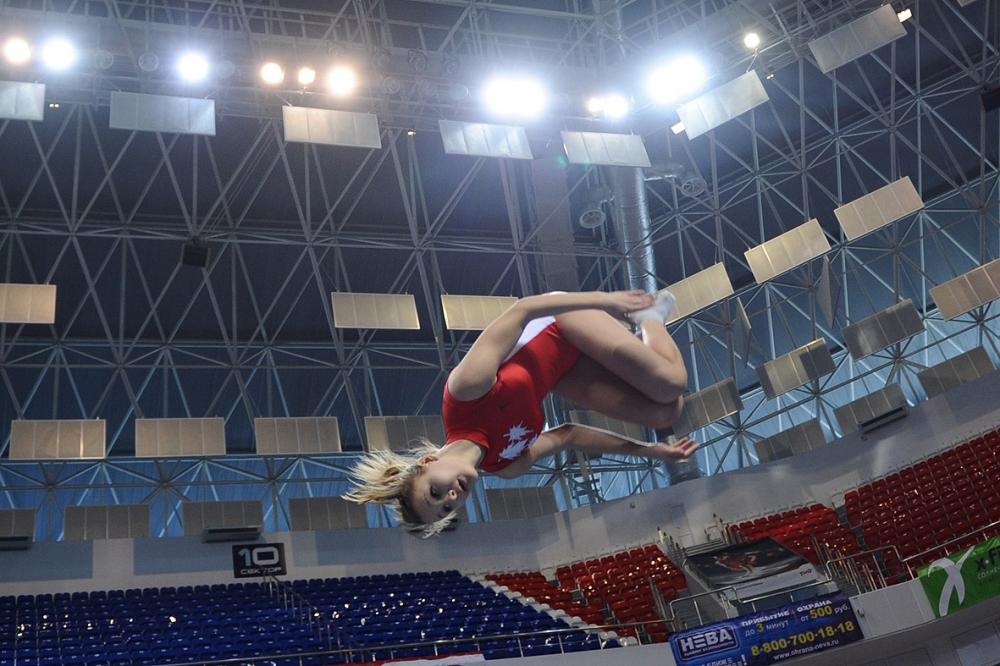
(103, 214)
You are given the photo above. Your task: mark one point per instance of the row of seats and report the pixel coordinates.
(813, 531)
(936, 506)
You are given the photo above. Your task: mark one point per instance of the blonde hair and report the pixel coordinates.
(387, 478)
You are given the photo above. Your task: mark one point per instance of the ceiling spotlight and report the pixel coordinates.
(192, 67)
(391, 85)
(515, 97)
(905, 15)
(751, 40)
(148, 62)
(426, 88)
(16, 51)
(104, 60)
(595, 105)
(458, 91)
(307, 76)
(382, 58)
(676, 80)
(611, 106)
(411, 132)
(417, 60)
(341, 81)
(272, 73)
(58, 54)
(450, 65)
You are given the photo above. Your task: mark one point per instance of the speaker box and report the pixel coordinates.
(194, 255)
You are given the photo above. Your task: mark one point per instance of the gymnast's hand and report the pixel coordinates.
(619, 304)
(681, 450)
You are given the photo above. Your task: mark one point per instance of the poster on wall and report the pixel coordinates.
(770, 636)
(753, 568)
(962, 579)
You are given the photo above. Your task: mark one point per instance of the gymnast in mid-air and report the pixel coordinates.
(571, 344)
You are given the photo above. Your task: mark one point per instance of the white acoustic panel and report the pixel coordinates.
(600, 148)
(867, 407)
(873, 334)
(795, 368)
(196, 516)
(401, 433)
(598, 420)
(27, 303)
(22, 101)
(485, 140)
(520, 503)
(879, 208)
(81, 439)
(828, 292)
(296, 435)
(785, 252)
(98, 522)
(793, 441)
(325, 513)
(968, 291)
(956, 371)
(700, 290)
(397, 311)
(167, 438)
(162, 113)
(329, 127)
(708, 406)
(721, 104)
(863, 35)
(473, 313)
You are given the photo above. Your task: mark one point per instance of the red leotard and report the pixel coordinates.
(507, 420)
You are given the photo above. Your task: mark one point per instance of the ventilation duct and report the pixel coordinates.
(633, 227)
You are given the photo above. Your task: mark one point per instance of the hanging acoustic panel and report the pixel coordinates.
(329, 127)
(873, 334)
(721, 104)
(296, 435)
(793, 441)
(700, 290)
(955, 371)
(99, 522)
(17, 521)
(859, 37)
(968, 291)
(396, 311)
(74, 439)
(795, 368)
(473, 313)
(22, 101)
(484, 139)
(520, 503)
(601, 148)
(27, 303)
(879, 208)
(166, 438)
(869, 407)
(742, 332)
(308, 514)
(708, 406)
(828, 292)
(196, 517)
(785, 252)
(598, 420)
(402, 433)
(162, 113)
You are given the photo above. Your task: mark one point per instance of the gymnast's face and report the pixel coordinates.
(443, 485)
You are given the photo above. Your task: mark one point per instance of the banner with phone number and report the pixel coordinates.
(770, 636)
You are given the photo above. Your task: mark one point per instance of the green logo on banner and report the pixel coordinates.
(962, 579)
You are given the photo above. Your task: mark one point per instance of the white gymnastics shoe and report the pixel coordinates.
(659, 310)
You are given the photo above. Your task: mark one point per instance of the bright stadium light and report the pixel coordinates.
(515, 97)
(611, 106)
(272, 73)
(307, 76)
(58, 54)
(751, 40)
(341, 81)
(676, 80)
(192, 67)
(16, 51)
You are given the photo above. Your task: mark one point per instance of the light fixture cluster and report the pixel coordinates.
(56, 53)
(340, 79)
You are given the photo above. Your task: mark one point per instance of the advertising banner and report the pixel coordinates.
(753, 568)
(770, 636)
(963, 579)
